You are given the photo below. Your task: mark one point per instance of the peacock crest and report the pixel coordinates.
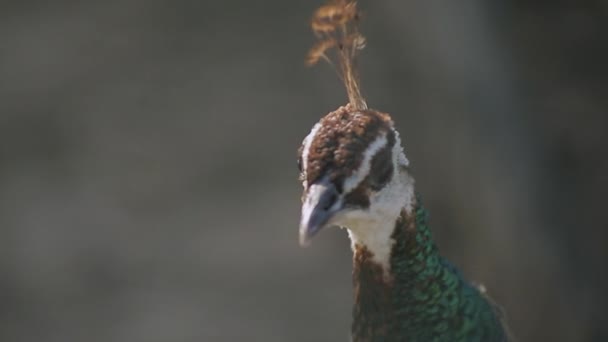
(336, 26)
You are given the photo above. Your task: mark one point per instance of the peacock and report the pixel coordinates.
(355, 175)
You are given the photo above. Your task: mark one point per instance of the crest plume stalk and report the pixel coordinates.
(336, 26)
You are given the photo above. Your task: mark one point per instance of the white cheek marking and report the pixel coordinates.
(402, 159)
(358, 176)
(307, 142)
(374, 227)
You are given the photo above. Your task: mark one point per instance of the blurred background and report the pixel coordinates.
(148, 180)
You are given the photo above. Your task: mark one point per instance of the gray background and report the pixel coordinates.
(148, 186)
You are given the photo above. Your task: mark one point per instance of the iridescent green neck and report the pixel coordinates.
(422, 297)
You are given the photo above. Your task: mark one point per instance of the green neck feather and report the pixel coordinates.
(422, 297)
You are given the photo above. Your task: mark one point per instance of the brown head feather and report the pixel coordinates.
(337, 149)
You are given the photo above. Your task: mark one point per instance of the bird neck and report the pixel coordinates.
(421, 297)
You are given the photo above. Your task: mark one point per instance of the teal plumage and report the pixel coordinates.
(424, 298)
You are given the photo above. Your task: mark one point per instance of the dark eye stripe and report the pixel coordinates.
(358, 198)
(381, 169)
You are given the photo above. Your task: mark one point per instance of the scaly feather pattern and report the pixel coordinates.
(424, 299)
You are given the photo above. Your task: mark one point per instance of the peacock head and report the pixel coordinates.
(354, 174)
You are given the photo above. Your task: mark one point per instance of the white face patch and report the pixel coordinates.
(373, 227)
(307, 142)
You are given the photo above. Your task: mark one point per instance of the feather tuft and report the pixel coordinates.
(336, 26)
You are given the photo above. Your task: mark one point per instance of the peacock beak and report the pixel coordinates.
(320, 204)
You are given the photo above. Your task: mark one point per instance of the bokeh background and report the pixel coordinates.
(148, 180)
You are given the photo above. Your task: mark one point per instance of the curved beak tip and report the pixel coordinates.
(307, 231)
(304, 241)
(317, 210)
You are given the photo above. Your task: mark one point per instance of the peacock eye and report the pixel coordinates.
(381, 169)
